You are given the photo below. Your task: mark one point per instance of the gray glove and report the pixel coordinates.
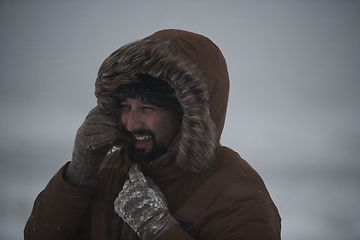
(142, 205)
(93, 140)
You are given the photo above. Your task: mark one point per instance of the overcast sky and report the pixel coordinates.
(294, 105)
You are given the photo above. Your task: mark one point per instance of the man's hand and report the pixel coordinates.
(142, 205)
(92, 142)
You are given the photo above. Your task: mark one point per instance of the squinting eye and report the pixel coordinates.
(124, 107)
(148, 108)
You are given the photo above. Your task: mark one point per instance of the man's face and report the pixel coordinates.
(151, 128)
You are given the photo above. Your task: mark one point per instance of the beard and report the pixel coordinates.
(139, 155)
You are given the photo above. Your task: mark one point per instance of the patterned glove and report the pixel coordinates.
(92, 142)
(142, 205)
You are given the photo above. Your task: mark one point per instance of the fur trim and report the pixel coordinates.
(161, 59)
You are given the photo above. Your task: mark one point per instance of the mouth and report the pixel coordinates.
(143, 142)
(142, 139)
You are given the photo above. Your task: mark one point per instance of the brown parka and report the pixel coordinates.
(210, 189)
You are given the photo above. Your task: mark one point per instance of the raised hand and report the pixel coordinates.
(93, 140)
(142, 205)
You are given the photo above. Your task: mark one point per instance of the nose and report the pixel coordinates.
(132, 120)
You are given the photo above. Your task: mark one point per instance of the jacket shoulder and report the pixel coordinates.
(230, 162)
(232, 202)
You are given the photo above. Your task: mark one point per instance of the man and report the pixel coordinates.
(162, 100)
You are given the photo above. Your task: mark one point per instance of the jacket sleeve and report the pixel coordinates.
(176, 233)
(59, 211)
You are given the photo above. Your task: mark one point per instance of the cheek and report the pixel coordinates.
(122, 119)
(172, 125)
(176, 125)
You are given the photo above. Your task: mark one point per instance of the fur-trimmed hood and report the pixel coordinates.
(195, 67)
